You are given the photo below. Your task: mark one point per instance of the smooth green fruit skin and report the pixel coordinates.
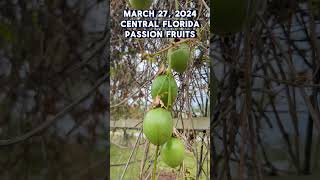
(179, 57)
(160, 86)
(227, 16)
(172, 152)
(141, 4)
(157, 126)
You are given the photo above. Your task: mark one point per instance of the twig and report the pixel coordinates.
(134, 148)
(155, 164)
(122, 164)
(49, 122)
(205, 5)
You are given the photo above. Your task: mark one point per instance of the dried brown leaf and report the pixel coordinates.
(157, 102)
(161, 70)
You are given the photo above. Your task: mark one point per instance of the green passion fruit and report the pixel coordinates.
(172, 152)
(228, 16)
(179, 57)
(157, 126)
(140, 4)
(161, 86)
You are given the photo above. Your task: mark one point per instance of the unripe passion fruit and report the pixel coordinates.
(179, 57)
(228, 16)
(140, 4)
(161, 87)
(157, 126)
(172, 152)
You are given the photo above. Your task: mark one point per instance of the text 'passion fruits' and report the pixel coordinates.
(161, 86)
(140, 4)
(179, 57)
(228, 16)
(157, 126)
(172, 152)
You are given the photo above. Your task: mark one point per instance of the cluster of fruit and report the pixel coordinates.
(158, 122)
(228, 16)
(140, 4)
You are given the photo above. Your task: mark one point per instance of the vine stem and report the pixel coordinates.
(155, 164)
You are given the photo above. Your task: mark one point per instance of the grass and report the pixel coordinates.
(120, 155)
(315, 176)
(62, 161)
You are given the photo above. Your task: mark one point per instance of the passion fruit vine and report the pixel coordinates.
(157, 126)
(172, 152)
(158, 123)
(140, 4)
(228, 16)
(162, 86)
(179, 57)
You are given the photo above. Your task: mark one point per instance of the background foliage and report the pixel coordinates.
(266, 121)
(53, 89)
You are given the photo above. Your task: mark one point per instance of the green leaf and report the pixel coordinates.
(6, 32)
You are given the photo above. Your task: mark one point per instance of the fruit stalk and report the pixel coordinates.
(169, 67)
(155, 164)
(169, 94)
